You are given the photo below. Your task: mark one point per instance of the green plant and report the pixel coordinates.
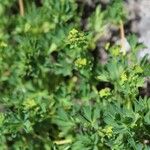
(54, 95)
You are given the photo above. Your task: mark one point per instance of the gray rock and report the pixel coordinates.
(140, 8)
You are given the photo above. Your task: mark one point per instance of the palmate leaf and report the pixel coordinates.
(48, 93)
(122, 121)
(82, 143)
(111, 72)
(147, 118)
(64, 120)
(104, 76)
(116, 12)
(86, 142)
(96, 23)
(135, 45)
(90, 116)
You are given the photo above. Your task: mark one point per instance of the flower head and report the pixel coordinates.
(29, 103)
(108, 131)
(104, 92)
(123, 77)
(76, 39)
(81, 62)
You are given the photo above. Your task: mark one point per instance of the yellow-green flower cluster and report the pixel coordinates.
(76, 38)
(104, 92)
(81, 62)
(29, 103)
(115, 51)
(123, 78)
(73, 34)
(108, 131)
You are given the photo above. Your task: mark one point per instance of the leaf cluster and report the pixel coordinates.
(54, 93)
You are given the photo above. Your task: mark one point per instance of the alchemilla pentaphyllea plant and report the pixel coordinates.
(54, 92)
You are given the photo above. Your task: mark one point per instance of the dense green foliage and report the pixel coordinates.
(54, 92)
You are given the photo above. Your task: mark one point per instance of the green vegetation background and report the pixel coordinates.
(54, 92)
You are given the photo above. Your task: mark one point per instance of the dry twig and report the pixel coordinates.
(122, 35)
(21, 7)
